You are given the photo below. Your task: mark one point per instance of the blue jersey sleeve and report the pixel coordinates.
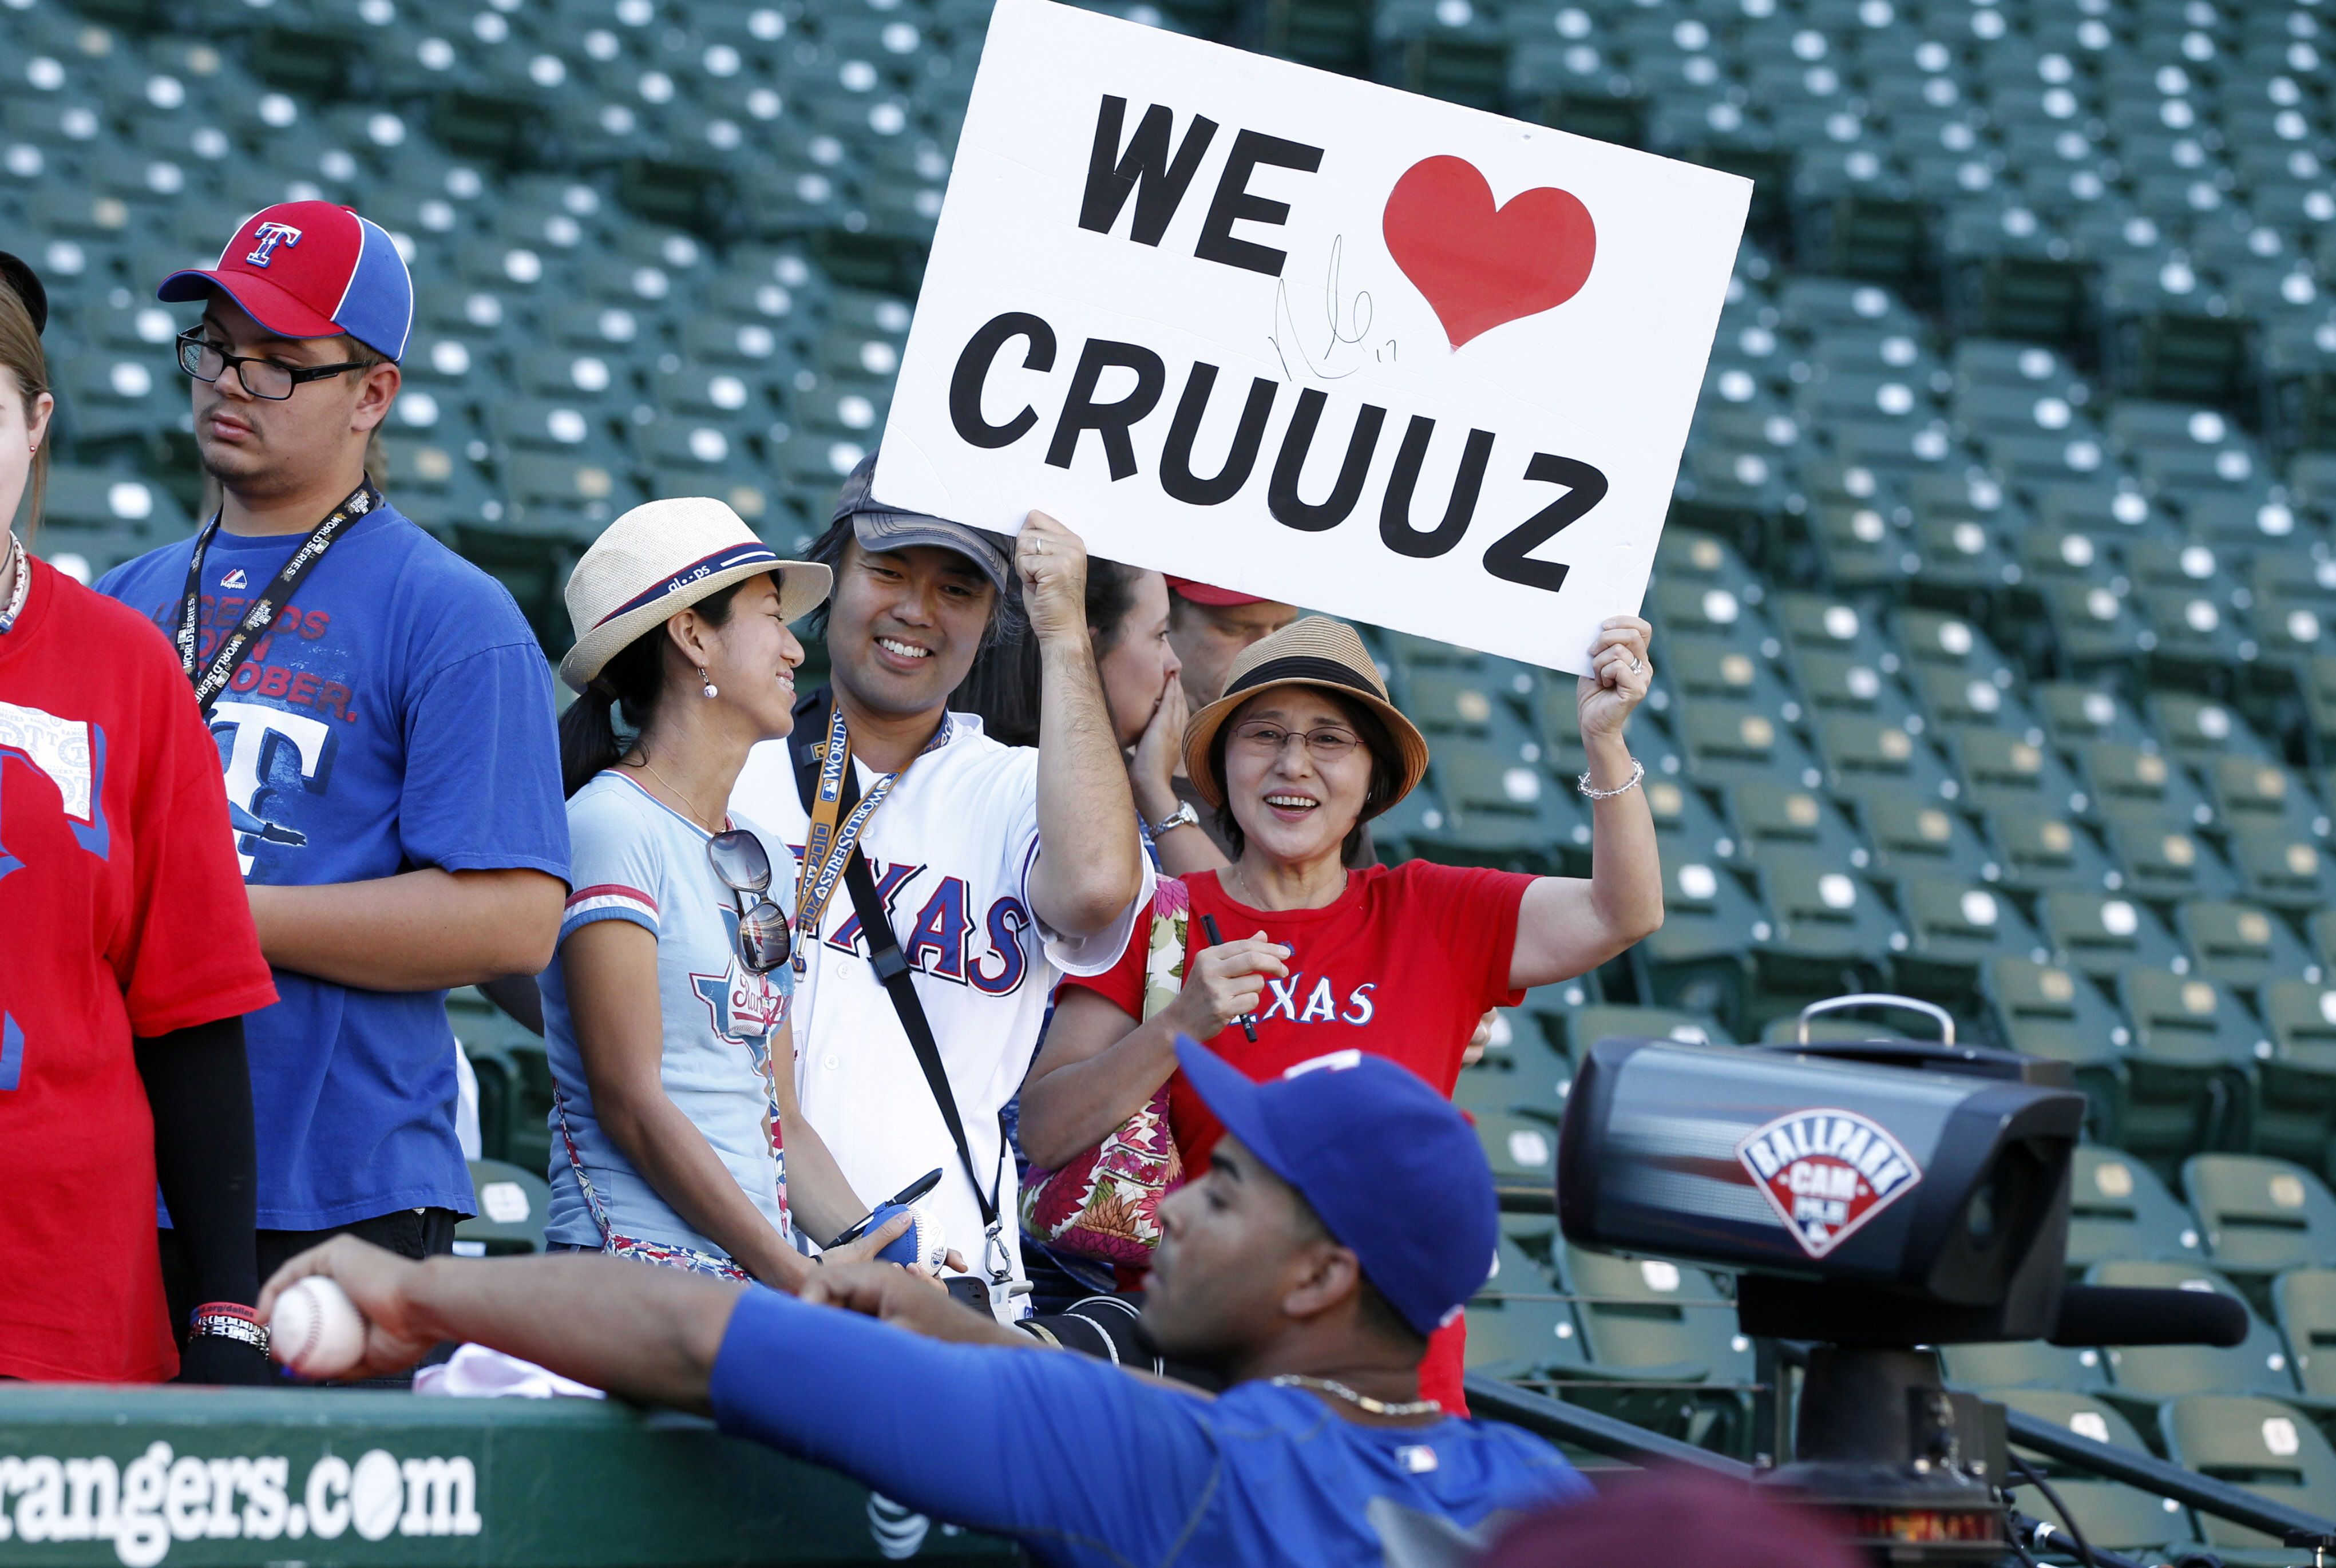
(1030, 1443)
(482, 785)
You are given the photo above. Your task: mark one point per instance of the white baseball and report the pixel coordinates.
(316, 1329)
(932, 1243)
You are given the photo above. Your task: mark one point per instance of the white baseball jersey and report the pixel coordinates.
(951, 850)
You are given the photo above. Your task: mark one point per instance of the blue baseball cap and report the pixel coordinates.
(1394, 1171)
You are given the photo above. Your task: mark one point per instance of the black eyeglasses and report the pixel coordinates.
(267, 378)
(744, 867)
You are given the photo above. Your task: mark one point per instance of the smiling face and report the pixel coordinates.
(1231, 1247)
(1141, 660)
(903, 626)
(259, 447)
(1293, 805)
(750, 658)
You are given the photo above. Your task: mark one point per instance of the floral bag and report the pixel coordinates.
(1104, 1205)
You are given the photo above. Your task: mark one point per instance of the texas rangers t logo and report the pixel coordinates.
(1827, 1173)
(266, 238)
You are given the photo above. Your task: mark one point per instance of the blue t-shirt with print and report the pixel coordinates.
(398, 715)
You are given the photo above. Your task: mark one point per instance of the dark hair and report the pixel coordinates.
(1386, 775)
(1006, 617)
(1373, 1310)
(21, 354)
(633, 680)
(1003, 686)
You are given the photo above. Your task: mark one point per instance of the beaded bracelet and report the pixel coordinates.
(1638, 771)
(228, 1321)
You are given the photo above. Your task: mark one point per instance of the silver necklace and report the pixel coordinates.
(1362, 1402)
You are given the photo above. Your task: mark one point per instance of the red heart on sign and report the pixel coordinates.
(1479, 265)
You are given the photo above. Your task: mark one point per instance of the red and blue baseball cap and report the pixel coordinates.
(1392, 1169)
(311, 269)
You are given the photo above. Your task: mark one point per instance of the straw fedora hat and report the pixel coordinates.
(660, 558)
(1315, 651)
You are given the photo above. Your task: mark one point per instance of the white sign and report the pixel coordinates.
(1309, 337)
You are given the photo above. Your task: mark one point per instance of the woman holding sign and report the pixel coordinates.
(1301, 750)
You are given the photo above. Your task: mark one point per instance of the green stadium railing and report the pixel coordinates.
(145, 1477)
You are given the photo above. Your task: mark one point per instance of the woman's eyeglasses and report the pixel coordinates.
(1325, 745)
(265, 378)
(740, 860)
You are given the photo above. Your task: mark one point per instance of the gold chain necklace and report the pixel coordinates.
(1362, 1402)
(678, 793)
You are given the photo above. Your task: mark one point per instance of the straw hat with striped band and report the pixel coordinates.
(661, 558)
(1315, 651)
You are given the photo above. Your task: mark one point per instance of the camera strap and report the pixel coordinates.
(899, 981)
(260, 614)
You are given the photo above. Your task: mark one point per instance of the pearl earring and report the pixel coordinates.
(711, 689)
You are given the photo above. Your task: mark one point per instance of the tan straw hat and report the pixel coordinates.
(661, 558)
(1315, 651)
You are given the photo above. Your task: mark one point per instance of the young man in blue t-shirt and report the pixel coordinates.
(1347, 1212)
(385, 722)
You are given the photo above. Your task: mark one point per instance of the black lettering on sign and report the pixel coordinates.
(1109, 419)
(1511, 557)
(973, 369)
(1176, 475)
(1282, 494)
(1234, 204)
(1157, 181)
(1395, 510)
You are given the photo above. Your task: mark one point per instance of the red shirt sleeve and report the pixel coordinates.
(1475, 910)
(189, 954)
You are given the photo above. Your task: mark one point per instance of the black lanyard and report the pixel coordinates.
(237, 646)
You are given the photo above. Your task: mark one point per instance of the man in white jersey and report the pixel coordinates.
(998, 867)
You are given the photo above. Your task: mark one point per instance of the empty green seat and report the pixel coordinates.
(2282, 869)
(1954, 925)
(2040, 847)
(2268, 1447)
(2304, 1304)
(2102, 934)
(513, 1205)
(2261, 1216)
(1590, 1025)
(2190, 1067)
(1770, 815)
(1647, 1320)
(2045, 1009)
(1913, 836)
(1520, 1067)
(1830, 925)
(1517, 1326)
(2116, 773)
(2112, 1515)
(1864, 755)
(2239, 944)
(1521, 1149)
(2146, 1374)
(2119, 1210)
(2160, 858)
(2024, 1364)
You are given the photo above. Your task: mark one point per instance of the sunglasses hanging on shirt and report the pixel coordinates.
(744, 867)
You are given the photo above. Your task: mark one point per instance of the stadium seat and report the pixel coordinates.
(2120, 1211)
(1954, 925)
(1517, 1325)
(513, 1205)
(2189, 1071)
(2261, 1217)
(2044, 1009)
(2240, 945)
(1520, 1067)
(2111, 1514)
(2262, 1444)
(2304, 1304)
(2024, 1364)
(2146, 1375)
(2101, 934)
(1588, 1026)
(1521, 1148)
(1645, 1321)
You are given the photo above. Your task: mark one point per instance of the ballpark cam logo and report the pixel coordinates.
(266, 238)
(1827, 1173)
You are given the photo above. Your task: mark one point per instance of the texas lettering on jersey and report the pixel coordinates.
(946, 941)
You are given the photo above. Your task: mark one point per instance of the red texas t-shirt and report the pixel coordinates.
(1402, 965)
(124, 915)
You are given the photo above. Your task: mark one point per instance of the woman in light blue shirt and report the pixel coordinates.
(676, 1135)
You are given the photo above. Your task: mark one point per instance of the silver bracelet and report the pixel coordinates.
(1638, 771)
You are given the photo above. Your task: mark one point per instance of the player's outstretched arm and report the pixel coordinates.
(646, 1334)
